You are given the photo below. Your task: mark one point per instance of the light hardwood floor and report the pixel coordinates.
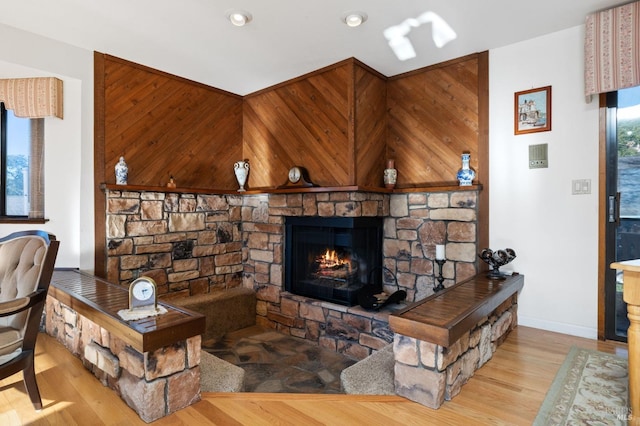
(508, 390)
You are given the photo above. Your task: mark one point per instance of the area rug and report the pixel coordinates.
(591, 388)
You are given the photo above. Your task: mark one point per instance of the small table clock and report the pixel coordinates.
(298, 177)
(143, 293)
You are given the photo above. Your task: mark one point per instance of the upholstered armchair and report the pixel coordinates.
(26, 265)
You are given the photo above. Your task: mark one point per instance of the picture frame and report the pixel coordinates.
(532, 111)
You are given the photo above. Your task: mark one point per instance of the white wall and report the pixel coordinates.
(554, 233)
(68, 142)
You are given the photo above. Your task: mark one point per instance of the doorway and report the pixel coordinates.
(622, 229)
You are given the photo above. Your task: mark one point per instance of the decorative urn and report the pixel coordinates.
(241, 169)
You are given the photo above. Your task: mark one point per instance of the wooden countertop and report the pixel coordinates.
(444, 317)
(99, 301)
(627, 265)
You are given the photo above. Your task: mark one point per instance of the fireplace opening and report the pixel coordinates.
(331, 259)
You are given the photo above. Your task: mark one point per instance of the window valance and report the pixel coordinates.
(611, 50)
(36, 97)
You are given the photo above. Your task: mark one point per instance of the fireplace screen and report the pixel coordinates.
(331, 258)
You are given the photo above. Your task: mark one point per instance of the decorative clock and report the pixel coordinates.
(143, 293)
(298, 177)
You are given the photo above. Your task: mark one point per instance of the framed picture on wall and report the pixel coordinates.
(533, 110)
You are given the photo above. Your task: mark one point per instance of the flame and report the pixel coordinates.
(330, 259)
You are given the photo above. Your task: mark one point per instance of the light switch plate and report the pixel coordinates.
(581, 186)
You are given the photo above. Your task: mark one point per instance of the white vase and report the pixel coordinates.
(466, 174)
(241, 169)
(122, 172)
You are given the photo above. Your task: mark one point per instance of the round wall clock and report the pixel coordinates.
(143, 293)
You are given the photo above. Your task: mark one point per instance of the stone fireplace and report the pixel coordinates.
(239, 240)
(332, 259)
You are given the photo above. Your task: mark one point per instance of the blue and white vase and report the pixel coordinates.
(122, 172)
(466, 174)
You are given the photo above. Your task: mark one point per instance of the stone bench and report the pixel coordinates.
(439, 342)
(152, 364)
(225, 311)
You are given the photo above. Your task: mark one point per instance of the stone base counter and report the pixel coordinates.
(153, 364)
(441, 342)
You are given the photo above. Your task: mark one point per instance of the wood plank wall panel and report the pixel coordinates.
(341, 123)
(303, 122)
(165, 125)
(370, 127)
(432, 120)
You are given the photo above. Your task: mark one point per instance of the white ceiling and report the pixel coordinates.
(287, 38)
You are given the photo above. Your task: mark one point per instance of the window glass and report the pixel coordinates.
(628, 129)
(17, 165)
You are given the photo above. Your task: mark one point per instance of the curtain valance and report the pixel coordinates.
(611, 50)
(36, 97)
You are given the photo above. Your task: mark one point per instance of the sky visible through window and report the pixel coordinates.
(19, 128)
(629, 103)
(17, 168)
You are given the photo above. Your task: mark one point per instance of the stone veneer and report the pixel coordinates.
(194, 243)
(188, 243)
(428, 373)
(154, 384)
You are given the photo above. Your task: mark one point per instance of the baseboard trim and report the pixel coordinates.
(558, 327)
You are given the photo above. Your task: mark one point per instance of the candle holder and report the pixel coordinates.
(440, 278)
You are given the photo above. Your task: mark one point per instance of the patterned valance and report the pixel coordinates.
(36, 97)
(611, 50)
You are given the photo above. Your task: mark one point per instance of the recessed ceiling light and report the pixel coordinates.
(354, 19)
(239, 18)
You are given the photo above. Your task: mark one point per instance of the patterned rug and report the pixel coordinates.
(591, 388)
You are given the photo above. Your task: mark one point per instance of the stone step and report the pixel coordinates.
(218, 375)
(371, 376)
(225, 311)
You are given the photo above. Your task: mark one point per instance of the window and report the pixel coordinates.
(622, 225)
(21, 166)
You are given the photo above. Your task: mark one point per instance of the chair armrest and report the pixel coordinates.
(14, 306)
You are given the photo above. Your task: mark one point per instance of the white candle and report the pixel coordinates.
(439, 251)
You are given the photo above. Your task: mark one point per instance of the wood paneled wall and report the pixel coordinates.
(433, 117)
(370, 127)
(165, 125)
(330, 121)
(341, 123)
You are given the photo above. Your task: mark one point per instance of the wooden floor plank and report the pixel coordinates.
(508, 390)
(203, 413)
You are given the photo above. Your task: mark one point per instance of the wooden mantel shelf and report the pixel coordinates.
(444, 317)
(445, 187)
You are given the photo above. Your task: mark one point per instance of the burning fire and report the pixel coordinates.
(331, 260)
(331, 265)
